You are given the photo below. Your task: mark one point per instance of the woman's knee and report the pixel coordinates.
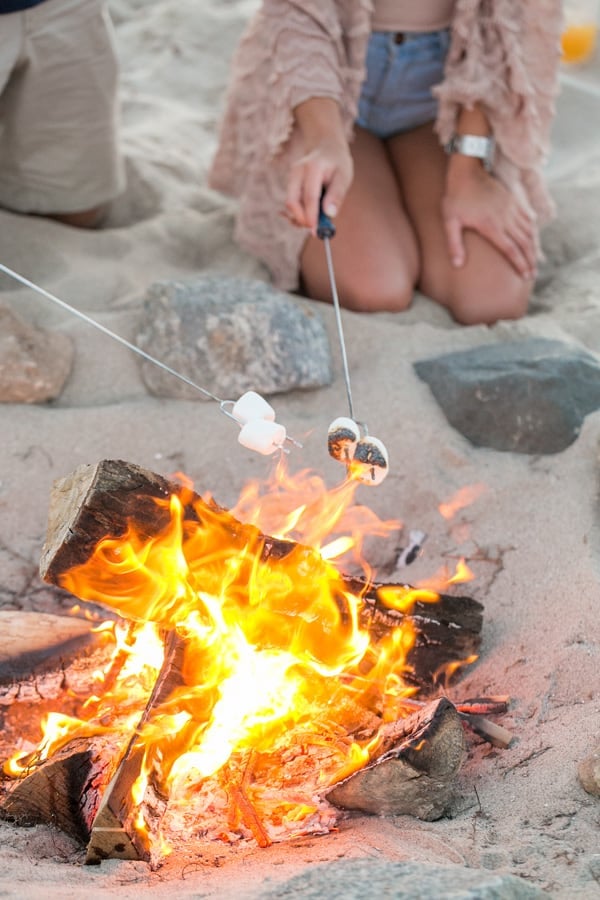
(479, 294)
(378, 292)
(484, 304)
(364, 288)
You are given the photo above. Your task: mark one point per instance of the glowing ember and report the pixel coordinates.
(282, 690)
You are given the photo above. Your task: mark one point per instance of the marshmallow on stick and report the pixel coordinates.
(370, 462)
(252, 406)
(342, 437)
(263, 436)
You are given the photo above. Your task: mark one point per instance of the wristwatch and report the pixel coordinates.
(473, 145)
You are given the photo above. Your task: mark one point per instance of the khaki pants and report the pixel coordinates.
(58, 108)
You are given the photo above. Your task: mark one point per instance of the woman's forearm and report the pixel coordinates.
(318, 118)
(473, 121)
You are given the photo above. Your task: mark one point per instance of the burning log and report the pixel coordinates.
(113, 833)
(112, 497)
(34, 643)
(66, 790)
(414, 777)
(280, 677)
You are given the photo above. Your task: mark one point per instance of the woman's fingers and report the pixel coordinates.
(328, 165)
(515, 254)
(454, 237)
(312, 187)
(337, 189)
(293, 202)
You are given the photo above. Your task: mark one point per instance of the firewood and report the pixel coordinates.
(113, 834)
(65, 790)
(85, 788)
(416, 774)
(103, 500)
(34, 643)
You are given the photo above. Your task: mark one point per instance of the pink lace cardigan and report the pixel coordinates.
(503, 55)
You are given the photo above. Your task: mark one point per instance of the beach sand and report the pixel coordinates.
(531, 537)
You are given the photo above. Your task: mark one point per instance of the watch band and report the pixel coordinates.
(474, 145)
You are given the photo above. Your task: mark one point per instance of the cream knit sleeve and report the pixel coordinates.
(504, 56)
(291, 51)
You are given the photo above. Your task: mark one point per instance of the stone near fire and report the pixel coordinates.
(231, 335)
(34, 363)
(357, 879)
(527, 396)
(588, 772)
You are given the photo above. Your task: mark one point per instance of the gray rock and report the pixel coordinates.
(526, 396)
(34, 364)
(357, 879)
(230, 335)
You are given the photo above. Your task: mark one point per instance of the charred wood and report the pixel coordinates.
(114, 833)
(105, 499)
(415, 775)
(65, 790)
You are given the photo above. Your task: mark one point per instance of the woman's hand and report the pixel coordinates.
(327, 164)
(475, 200)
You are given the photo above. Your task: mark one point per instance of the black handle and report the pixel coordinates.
(325, 226)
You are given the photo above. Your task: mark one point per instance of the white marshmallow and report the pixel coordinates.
(263, 436)
(370, 462)
(252, 406)
(342, 437)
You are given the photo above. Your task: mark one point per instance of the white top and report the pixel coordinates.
(410, 15)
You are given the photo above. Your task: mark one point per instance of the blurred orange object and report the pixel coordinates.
(578, 42)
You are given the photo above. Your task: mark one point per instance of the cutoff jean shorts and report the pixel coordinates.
(401, 70)
(59, 144)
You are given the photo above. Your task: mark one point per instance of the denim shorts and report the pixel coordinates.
(396, 94)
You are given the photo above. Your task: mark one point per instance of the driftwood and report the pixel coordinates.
(416, 775)
(103, 500)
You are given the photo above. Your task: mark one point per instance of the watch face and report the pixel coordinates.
(474, 145)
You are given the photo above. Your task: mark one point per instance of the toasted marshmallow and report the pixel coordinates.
(342, 437)
(370, 462)
(263, 436)
(252, 406)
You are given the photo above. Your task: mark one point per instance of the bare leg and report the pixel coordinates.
(86, 218)
(486, 288)
(374, 252)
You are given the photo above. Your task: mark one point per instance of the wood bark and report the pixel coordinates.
(416, 774)
(85, 788)
(34, 643)
(103, 500)
(65, 790)
(113, 833)
(413, 773)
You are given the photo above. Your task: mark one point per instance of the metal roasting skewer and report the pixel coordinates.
(121, 340)
(349, 441)
(325, 231)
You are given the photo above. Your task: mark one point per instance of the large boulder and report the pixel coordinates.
(527, 396)
(230, 335)
(361, 879)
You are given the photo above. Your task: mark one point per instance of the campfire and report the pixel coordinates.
(254, 692)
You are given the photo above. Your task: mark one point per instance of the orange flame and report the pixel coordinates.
(462, 498)
(277, 667)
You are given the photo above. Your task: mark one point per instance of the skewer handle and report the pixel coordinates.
(325, 226)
